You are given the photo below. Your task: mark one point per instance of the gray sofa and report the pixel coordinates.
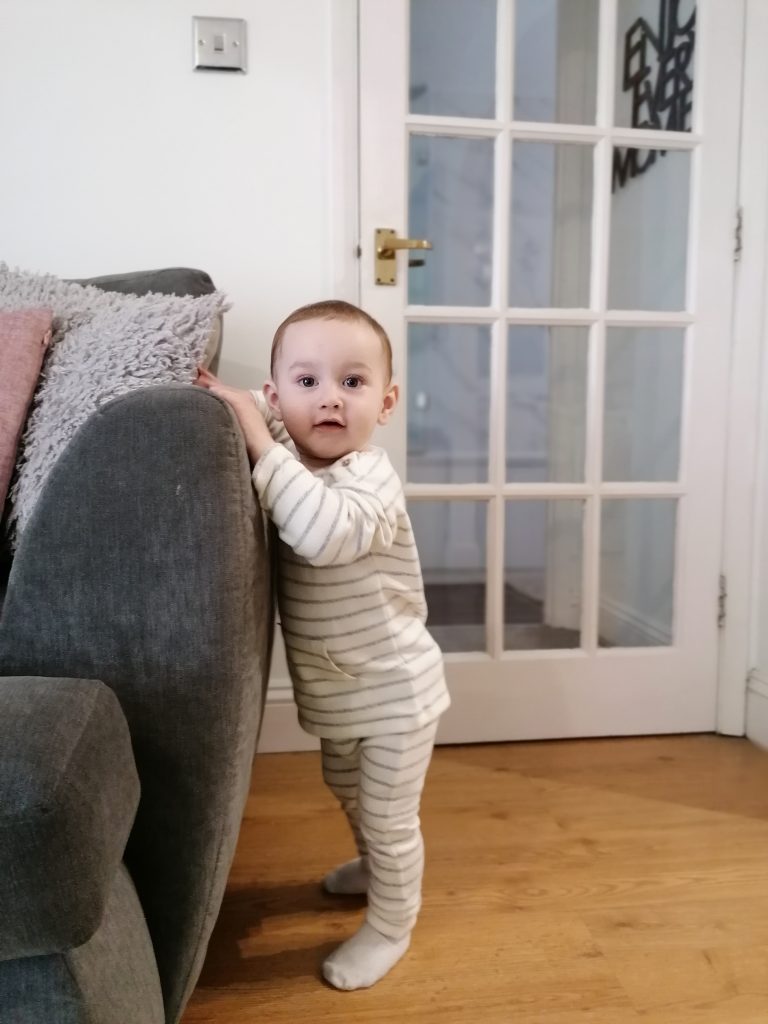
(135, 639)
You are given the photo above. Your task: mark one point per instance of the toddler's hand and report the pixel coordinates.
(207, 380)
(255, 430)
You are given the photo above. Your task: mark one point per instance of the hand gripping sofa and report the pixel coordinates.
(135, 639)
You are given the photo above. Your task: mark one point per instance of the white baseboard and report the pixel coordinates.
(757, 710)
(280, 729)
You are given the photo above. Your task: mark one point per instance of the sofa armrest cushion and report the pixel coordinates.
(69, 791)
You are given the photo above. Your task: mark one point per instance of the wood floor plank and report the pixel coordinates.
(580, 882)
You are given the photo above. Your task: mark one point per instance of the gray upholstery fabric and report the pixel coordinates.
(68, 796)
(145, 565)
(111, 979)
(168, 281)
(5, 568)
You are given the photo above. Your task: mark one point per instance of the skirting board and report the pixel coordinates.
(757, 711)
(280, 729)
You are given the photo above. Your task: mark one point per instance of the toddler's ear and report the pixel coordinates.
(389, 402)
(270, 393)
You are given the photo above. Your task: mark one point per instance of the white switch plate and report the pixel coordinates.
(219, 44)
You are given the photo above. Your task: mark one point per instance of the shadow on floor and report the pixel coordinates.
(233, 954)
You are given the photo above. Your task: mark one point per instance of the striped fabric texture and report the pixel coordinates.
(378, 781)
(350, 594)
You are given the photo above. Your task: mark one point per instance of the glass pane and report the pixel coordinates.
(448, 400)
(643, 403)
(450, 536)
(453, 57)
(546, 403)
(637, 572)
(542, 574)
(451, 204)
(551, 224)
(654, 64)
(556, 61)
(649, 229)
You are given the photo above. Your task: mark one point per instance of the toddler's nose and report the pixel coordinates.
(330, 397)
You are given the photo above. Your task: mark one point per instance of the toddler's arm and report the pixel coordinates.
(331, 523)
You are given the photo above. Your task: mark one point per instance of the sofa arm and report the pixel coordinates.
(146, 564)
(68, 796)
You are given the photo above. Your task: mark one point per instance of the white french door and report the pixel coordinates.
(563, 348)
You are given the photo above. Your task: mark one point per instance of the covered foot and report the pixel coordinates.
(350, 879)
(364, 959)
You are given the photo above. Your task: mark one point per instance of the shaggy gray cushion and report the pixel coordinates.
(104, 344)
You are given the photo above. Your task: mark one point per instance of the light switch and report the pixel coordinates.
(219, 44)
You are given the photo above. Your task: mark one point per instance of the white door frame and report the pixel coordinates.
(747, 425)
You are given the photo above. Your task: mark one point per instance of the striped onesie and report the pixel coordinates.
(367, 675)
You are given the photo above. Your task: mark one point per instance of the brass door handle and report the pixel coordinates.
(387, 243)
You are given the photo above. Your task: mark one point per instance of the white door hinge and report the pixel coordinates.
(737, 234)
(722, 599)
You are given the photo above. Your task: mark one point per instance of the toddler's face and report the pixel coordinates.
(330, 388)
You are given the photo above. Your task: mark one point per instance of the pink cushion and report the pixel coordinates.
(24, 336)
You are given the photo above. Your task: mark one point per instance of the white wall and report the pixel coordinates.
(118, 156)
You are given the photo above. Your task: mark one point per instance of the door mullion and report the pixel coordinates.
(598, 300)
(595, 389)
(606, 64)
(494, 591)
(592, 510)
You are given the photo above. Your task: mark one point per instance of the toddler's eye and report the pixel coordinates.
(307, 382)
(352, 382)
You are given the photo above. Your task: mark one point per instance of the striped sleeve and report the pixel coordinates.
(275, 426)
(331, 521)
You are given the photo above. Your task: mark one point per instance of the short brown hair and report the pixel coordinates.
(331, 309)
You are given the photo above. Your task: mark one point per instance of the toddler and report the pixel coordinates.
(367, 675)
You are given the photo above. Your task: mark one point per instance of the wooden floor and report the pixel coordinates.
(588, 882)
